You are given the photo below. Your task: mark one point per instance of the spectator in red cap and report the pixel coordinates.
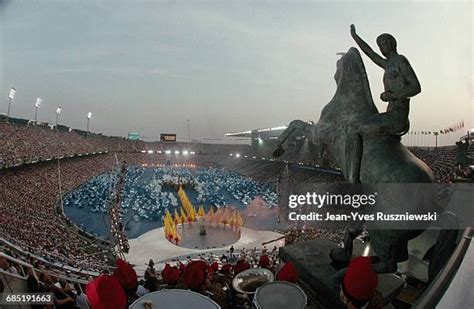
(226, 269)
(359, 285)
(264, 261)
(288, 273)
(105, 292)
(170, 274)
(240, 266)
(195, 275)
(214, 267)
(126, 275)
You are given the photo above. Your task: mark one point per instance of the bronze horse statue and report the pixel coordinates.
(384, 160)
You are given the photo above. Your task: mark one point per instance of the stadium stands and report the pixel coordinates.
(39, 164)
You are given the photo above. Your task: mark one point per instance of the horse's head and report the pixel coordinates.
(353, 94)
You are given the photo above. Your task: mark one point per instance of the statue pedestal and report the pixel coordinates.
(312, 260)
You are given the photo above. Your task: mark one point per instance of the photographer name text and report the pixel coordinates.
(356, 216)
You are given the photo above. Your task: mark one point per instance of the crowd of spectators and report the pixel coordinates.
(30, 143)
(442, 161)
(212, 275)
(293, 235)
(29, 195)
(66, 293)
(21, 143)
(29, 217)
(206, 273)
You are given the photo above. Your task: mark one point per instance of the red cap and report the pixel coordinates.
(288, 273)
(105, 292)
(195, 274)
(214, 267)
(360, 281)
(241, 266)
(170, 274)
(225, 269)
(125, 274)
(264, 261)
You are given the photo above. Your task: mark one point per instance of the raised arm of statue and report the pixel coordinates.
(376, 58)
(411, 86)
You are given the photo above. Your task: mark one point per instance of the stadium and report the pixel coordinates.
(145, 220)
(48, 172)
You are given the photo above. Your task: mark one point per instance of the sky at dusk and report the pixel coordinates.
(148, 66)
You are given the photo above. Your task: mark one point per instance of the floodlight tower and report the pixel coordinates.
(58, 111)
(89, 116)
(189, 132)
(11, 95)
(37, 105)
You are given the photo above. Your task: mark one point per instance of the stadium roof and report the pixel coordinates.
(274, 131)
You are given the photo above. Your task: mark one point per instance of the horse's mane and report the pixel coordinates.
(353, 96)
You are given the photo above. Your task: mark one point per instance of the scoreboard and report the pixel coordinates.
(166, 137)
(134, 136)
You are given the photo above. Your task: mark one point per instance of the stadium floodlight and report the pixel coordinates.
(278, 128)
(159, 151)
(237, 155)
(238, 133)
(192, 152)
(231, 154)
(176, 152)
(11, 95)
(185, 152)
(58, 111)
(168, 151)
(272, 129)
(38, 102)
(89, 116)
(37, 105)
(150, 151)
(143, 151)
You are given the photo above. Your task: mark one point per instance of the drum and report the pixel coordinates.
(175, 299)
(279, 295)
(248, 281)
